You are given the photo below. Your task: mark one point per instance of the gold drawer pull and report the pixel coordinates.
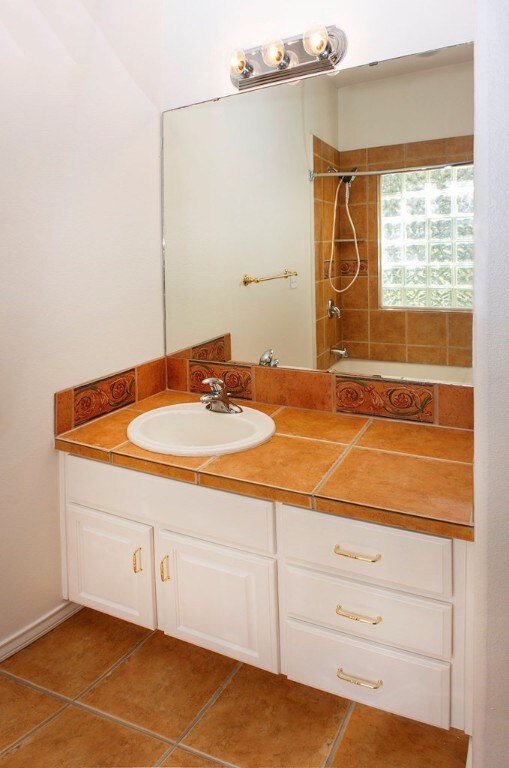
(137, 568)
(165, 572)
(358, 681)
(355, 556)
(356, 617)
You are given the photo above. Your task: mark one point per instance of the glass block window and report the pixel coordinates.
(427, 238)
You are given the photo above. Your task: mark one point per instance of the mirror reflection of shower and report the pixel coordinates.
(347, 180)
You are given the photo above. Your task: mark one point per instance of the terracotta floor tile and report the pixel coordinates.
(263, 719)
(284, 462)
(375, 738)
(106, 432)
(420, 440)
(22, 709)
(168, 397)
(162, 686)
(62, 660)
(336, 427)
(76, 738)
(182, 759)
(417, 486)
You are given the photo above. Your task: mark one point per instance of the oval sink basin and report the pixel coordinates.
(190, 429)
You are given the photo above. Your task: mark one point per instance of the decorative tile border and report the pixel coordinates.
(348, 268)
(444, 404)
(214, 350)
(237, 378)
(103, 396)
(392, 399)
(78, 405)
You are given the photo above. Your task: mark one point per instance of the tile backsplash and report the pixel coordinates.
(444, 404)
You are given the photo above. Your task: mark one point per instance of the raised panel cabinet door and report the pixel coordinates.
(219, 598)
(111, 565)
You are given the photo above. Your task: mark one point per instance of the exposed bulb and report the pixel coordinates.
(316, 41)
(274, 54)
(238, 64)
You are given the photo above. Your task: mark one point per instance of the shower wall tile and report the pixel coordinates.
(447, 339)
(393, 399)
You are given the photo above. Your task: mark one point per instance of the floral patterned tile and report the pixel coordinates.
(213, 350)
(350, 268)
(237, 378)
(392, 399)
(103, 396)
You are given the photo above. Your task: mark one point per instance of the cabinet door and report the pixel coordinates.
(110, 565)
(219, 598)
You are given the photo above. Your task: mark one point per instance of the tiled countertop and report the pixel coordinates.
(412, 476)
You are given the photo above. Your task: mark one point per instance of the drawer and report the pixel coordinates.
(413, 562)
(415, 624)
(407, 685)
(225, 518)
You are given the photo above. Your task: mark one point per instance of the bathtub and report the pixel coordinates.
(445, 374)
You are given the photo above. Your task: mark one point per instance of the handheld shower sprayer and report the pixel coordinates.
(349, 179)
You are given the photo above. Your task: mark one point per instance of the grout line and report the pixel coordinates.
(33, 731)
(204, 755)
(413, 455)
(339, 736)
(166, 753)
(120, 721)
(341, 458)
(114, 666)
(210, 702)
(312, 439)
(35, 686)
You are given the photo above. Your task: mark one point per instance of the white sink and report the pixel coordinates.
(190, 429)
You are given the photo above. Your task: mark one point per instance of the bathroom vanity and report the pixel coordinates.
(373, 613)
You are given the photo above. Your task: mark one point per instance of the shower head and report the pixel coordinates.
(349, 179)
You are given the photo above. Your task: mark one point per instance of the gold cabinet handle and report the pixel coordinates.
(356, 556)
(137, 568)
(359, 681)
(356, 617)
(165, 572)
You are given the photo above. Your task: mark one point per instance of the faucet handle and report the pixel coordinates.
(216, 385)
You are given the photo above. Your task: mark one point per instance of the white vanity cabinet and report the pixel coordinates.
(369, 613)
(365, 611)
(193, 562)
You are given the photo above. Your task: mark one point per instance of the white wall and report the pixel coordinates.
(80, 276)
(199, 34)
(238, 200)
(491, 378)
(431, 104)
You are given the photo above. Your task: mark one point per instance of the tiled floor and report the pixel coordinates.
(97, 691)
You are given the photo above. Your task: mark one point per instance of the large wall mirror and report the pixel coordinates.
(239, 203)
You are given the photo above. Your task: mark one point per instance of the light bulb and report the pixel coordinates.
(238, 64)
(274, 54)
(316, 41)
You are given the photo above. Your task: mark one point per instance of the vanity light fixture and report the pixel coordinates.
(319, 50)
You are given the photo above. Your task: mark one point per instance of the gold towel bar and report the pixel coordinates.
(248, 280)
